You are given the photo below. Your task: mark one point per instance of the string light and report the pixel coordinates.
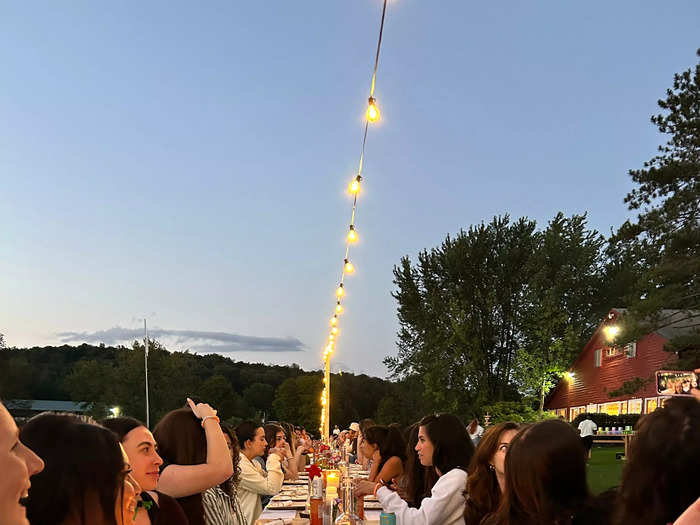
(372, 115)
(352, 234)
(355, 185)
(372, 110)
(349, 268)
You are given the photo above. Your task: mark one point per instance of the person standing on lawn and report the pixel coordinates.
(587, 428)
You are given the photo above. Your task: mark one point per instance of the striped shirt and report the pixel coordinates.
(220, 508)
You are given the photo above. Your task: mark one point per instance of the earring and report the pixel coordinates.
(492, 468)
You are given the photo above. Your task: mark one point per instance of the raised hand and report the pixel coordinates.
(201, 410)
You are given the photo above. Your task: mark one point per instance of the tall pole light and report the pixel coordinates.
(145, 364)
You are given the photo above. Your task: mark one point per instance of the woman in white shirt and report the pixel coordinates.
(255, 482)
(444, 444)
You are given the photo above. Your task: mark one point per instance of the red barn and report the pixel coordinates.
(603, 367)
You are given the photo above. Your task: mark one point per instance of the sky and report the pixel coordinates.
(188, 162)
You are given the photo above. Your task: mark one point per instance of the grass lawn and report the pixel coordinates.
(604, 471)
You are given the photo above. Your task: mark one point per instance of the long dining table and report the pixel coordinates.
(289, 506)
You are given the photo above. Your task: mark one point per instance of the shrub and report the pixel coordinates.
(516, 411)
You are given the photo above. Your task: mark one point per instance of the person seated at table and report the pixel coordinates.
(196, 460)
(86, 478)
(660, 480)
(276, 438)
(387, 449)
(545, 480)
(256, 482)
(363, 460)
(417, 481)
(18, 463)
(443, 443)
(351, 442)
(140, 446)
(486, 474)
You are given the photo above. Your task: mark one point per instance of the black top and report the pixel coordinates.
(166, 512)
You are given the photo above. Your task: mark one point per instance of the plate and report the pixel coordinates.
(286, 505)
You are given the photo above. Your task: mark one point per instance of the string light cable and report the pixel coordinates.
(372, 115)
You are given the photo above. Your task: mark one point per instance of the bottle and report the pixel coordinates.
(387, 518)
(348, 516)
(360, 507)
(316, 502)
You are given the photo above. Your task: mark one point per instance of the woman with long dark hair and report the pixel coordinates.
(486, 474)
(140, 446)
(86, 480)
(443, 443)
(363, 459)
(17, 464)
(660, 480)
(387, 449)
(545, 479)
(417, 480)
(196, 459)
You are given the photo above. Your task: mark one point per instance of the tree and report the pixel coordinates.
(562, 305)
(259, 397)
(2, 341)
(297, 400)
(666, 231)
(458, 314)
(405, 404)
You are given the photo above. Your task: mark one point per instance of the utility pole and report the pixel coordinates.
(145, 364)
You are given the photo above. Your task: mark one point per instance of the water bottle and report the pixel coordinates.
(387, 518)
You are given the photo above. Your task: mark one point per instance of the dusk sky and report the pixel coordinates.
(189, 161)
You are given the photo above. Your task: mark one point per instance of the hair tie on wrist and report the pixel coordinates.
(210, 417)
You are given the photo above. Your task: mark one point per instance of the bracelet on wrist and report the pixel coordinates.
(215, 418)
(376, 488)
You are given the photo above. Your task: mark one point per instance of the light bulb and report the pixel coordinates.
(334, 330)
(355, 185)
(338, 307)
(349, 268)
(372, 110)
(352, 234)
(340, 291)
(334, 320)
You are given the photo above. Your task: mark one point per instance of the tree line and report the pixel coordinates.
(105, 377)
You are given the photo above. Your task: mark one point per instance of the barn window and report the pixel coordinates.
(598, 354)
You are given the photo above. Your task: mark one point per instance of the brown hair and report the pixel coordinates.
(419, 479)
(84, 474)
(235, 478)
(660, 479)
(181, 441)
(271, 431)
(545, 477)
(483, 492)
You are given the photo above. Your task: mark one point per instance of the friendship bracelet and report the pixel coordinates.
(210, 417)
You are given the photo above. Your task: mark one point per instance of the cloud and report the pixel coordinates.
(198, 340)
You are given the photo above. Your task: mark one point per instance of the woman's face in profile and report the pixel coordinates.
(17, 464)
